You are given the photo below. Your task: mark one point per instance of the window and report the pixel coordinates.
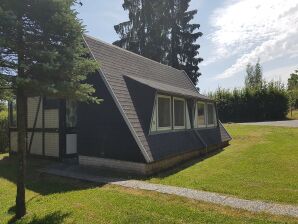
(179, 113)
(211, 114)
(13, 113)
(71, 114)
(164, 113)
(201, 118)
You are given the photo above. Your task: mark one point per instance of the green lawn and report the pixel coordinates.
(261, 163)
(53, 200)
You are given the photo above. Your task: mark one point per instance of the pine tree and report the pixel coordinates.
(161, 30)
(42, 53)
(184, 51)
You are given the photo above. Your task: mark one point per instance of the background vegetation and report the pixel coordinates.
(269, 102)
(258, 100)
(3, 128)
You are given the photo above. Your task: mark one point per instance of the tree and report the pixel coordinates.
(161, 31)
(42, 53)
(293, 90)
(183, 52)
(249, 79)
(293, 81)
(254, 76)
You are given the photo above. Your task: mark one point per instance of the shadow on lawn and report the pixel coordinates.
(185, 165)
(41, 183)
(52, 218)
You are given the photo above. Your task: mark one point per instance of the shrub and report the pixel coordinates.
(269, 102)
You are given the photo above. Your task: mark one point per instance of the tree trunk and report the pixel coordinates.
(21, 123)
(21, 119)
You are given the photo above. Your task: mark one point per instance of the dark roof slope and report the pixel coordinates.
(116, 63)
(119, 62)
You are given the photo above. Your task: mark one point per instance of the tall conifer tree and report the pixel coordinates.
(183, 52)
(162, 31)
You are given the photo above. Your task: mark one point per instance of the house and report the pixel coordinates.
(152, 117)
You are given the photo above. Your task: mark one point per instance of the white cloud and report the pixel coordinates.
(250, 29)
(280, 74)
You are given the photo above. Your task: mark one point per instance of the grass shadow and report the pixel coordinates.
(40, 183)
(52, 218)
(184, 165)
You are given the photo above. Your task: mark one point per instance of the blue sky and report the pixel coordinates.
(235, 32)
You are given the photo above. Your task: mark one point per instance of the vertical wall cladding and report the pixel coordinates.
(102, 131)
(143, 99)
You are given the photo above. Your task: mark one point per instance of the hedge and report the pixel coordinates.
(269, 102)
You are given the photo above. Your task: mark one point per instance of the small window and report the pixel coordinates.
(13, 114)
(179, 113)
(71, 114)
(201, 118)
(211, 114)
(164, 113)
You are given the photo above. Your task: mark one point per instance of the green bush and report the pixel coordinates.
(269, 102)
(4, 140)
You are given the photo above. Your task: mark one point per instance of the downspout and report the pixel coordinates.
(202, 140)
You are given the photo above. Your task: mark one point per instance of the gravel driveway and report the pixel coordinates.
(289, 123)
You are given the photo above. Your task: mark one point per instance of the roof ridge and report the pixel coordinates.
(106, 43)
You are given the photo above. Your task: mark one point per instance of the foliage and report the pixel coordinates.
(54, 200)
(269, 102)
(254, 76)
(3, 128)
(48, 37)
(293, 89)
(41, 53)
(293, 114)
(162, 31)
(260, 163)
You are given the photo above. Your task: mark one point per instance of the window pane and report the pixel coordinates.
(164, 112)
(71, 114)
(201, 114)
(210, 114)
(13, 113)
(179, 111)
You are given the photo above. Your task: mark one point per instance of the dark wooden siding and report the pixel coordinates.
(102, 131)
(167, 144)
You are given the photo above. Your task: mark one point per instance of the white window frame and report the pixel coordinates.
(157, 115)
(173, 107)
(153, 125)
(213, 108)
(205, 115)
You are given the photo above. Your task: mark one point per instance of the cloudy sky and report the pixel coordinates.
(236, 32)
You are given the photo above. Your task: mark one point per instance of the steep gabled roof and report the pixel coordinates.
(116, 63)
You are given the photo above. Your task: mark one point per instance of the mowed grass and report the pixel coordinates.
(52, 200)
(261, 163)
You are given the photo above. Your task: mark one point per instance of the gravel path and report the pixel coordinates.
(289, 123)
(216, 198)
